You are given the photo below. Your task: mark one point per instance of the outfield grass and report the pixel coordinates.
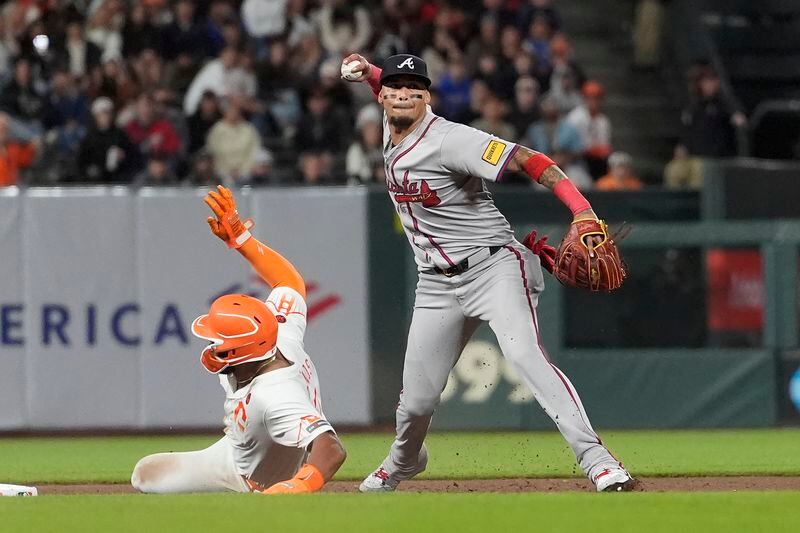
(453, 455)
(439, 513)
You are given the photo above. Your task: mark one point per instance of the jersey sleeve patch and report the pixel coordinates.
(312, 423)
(494, 151)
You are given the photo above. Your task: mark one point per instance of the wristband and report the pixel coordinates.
(312, 477)
(536, 164)
(571, 197)
(374, 79)
(307, 479)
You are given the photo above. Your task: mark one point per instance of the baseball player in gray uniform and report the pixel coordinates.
(471, 269)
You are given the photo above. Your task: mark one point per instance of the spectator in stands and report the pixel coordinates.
(538, 40)
(66, 102)
(330, 81)
(478, 95)
(184, 36)
(526, 105)
(78, 54)
(106, 154)
(683, 171)
(264, 20)
(21, 99)
(218, 75)
(232, 143)
(498, 10)
(563, 63)
(307, 56)
(564, 91)
(203, 173)
(152, 135)
(220, 13)
(487, 41)
(710, 121)
(510, 48)
(491, 120)
(454, 90)
(438, 53)
(178, 74)
(114, 81)
(261, 168)
(321, 128)
(104, 27)
(158, 172)
(621, 176)
(538, 9)
(14, 155)
(148, 69)
(555, 136)
(207, 114)
(139, 31)
(344, 25)
(278, 88)
(168, 106)
(364, 160)
(594, 128)
(316, 168)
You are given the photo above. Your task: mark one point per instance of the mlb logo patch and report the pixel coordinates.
(493, 152)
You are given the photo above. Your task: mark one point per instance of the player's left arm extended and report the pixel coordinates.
(327, 456)
(270, 265)
(543, 170)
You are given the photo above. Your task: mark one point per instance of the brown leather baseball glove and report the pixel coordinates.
(588, 258)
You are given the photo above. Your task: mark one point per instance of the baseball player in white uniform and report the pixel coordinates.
(277, 439)
(471, 269)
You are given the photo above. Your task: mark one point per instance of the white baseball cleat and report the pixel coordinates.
(382, 481)
(613, 479)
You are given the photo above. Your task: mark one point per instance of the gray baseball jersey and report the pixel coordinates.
(435, 179)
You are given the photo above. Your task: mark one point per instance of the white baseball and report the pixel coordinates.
(348, 72)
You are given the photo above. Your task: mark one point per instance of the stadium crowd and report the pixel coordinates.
(154, 92)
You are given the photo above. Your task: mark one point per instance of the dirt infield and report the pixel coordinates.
(655, 484)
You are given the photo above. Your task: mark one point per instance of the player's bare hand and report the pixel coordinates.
(589, 214)
(356, 68)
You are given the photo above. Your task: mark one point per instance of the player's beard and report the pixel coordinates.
(401, 123)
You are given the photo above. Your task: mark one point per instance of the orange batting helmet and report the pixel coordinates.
(241, 330)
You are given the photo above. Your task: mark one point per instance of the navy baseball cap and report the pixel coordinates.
(405, 65)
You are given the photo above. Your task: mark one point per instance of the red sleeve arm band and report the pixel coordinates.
(536, 164)
(570, 196)
(374, 80)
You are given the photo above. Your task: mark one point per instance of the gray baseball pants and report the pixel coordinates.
(502, 290)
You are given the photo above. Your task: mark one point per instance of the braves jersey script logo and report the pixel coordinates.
(407, 63)
(415, 192)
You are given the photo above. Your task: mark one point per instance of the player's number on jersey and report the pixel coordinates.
(479, 371)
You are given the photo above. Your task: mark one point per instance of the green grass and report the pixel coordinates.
(453, 455)
(439, 513)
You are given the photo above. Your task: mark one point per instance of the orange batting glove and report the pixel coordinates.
(227, 225)
(307, 479)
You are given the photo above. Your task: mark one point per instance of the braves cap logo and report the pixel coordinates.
(409, 62)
